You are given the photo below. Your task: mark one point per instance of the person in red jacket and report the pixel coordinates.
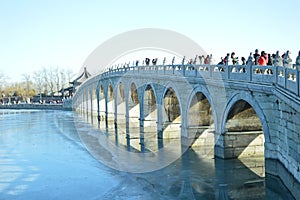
(263, 59)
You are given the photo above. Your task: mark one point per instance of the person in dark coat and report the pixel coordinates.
(256, 57)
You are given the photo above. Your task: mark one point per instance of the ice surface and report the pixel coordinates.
(42, 157)
(37, 161)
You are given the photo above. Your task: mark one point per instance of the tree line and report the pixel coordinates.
(44, 82)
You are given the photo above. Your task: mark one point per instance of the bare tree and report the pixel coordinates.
(56, 76)
(28, 87)
(2, 82)
(3, 79)
(39, 82)
(63, 79)
(26, 78)
(66, 77)
(70, 75)
(52, 80)
(45, 80)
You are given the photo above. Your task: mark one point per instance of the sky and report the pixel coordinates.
(38, 34)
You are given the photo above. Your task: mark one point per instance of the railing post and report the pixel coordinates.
(276, 74)
(251, 72)
(116, 112)
(228, 72)
(142, 139)
(285, 77)
(106, 111)
(298, 81)
(159, 123)
(127, 122)
(210, 71)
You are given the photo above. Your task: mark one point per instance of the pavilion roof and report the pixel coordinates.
(83, 76)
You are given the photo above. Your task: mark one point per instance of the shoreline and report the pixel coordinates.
(37, 106)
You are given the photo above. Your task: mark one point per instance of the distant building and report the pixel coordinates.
(41, 98)
(69, 91)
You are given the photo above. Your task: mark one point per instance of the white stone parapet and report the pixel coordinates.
(286, 78)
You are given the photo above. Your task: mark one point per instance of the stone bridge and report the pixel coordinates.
(235, 110)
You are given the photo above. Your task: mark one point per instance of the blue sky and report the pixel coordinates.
(37, 34)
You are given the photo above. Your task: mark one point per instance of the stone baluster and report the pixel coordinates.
(183, 66)
(195, 60)
(298, 81)
(287, 61)
(278, 59)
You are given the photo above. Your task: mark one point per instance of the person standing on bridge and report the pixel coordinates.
(206, 61)
(234, 59)
(250, 58)
(263, 59)
(298, 59)
(173, 60)
(256, 57)
(221, 62)
(270, 59)
(202, 59)
(147, 61)
(154, 61)
(243, 60)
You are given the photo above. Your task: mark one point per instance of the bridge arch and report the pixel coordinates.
(85, 102)
(120, 102)
(94, 99)
(133, 118)
(110, 92)
(98, 100)
(102, 101)
(110, 96)
(172, 109)
(133, 106)
(149, 116)
(205, 92)
(133, 93)
(201, 118)
(171, 89)
(149, 90)
(120, 91)
(247, 97)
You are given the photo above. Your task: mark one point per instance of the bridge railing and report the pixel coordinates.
(284, 77)
(263, 74)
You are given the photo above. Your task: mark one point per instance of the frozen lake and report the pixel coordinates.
(42, 157)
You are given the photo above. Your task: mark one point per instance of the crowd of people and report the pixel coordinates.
(258, 58)
(261, 59)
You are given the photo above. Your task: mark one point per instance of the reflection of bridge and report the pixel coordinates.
(244, 111)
